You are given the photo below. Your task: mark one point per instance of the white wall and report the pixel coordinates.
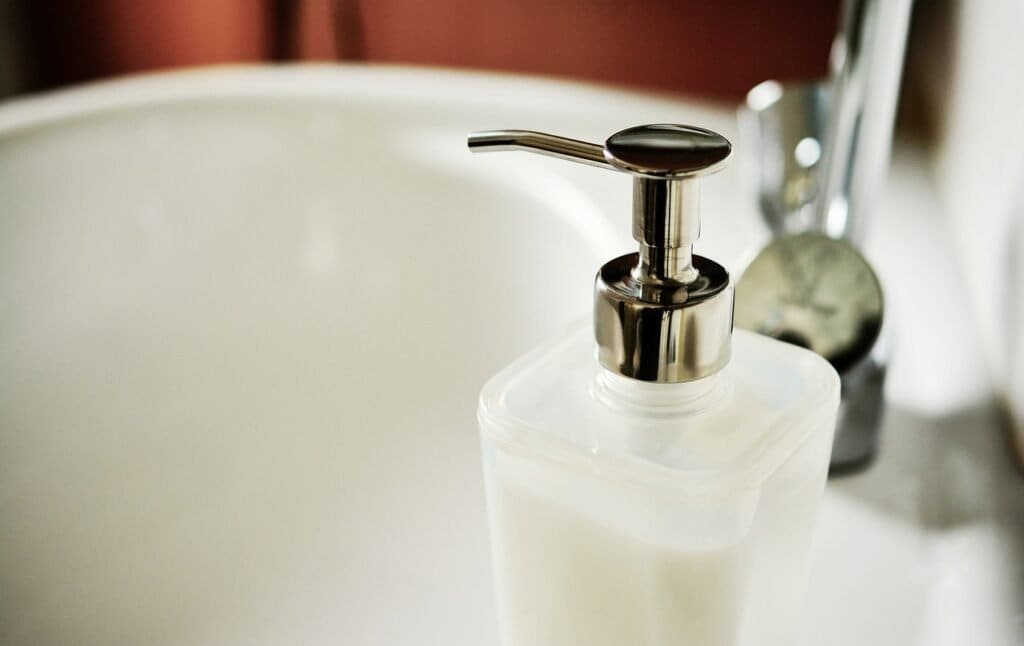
(979, 166)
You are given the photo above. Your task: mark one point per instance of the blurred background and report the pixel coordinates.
(657, 44)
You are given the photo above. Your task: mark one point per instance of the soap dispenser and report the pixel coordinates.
(654, 481)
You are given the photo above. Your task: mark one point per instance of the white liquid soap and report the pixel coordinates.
(684, 595)
(661, 490)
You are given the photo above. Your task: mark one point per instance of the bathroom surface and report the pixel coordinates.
(245, 315)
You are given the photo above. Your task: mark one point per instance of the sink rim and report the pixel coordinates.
(325, 80)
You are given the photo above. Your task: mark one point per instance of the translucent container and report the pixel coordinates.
(642, 514)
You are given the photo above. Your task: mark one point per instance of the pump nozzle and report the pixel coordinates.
(661, 314)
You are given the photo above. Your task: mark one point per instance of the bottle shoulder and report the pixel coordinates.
(734, 431)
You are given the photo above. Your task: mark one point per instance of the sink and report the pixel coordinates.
(244, 316)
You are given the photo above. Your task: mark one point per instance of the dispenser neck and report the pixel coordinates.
(645, 398)
(665, 224)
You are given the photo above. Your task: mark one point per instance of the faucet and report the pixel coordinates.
(821, 148)
(821, 152)
(866, 64)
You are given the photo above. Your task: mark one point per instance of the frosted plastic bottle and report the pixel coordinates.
(660, 486)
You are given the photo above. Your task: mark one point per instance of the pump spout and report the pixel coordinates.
(541, 143)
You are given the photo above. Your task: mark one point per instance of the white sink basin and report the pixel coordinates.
(244, 315)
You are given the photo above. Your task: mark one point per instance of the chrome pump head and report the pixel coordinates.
(662, 314)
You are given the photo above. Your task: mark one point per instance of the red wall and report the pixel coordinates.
(716, 48)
